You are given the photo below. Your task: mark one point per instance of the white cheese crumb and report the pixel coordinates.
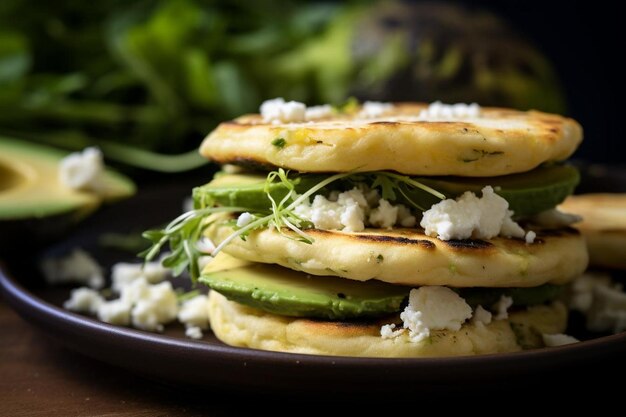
(347, 213)
(384, 216)
(554, 218)
(530, 236)
(433, 308)
(471, 216)
(83, 170)
(124, 273)
(582, 290)
(278, 111)
(78, 267)
(608, 309)
(349, 210)
(115, 312)
(373, 109)
(194, 332)
(152, 305)
(84, 300)
(194, 312)
(405, 217)
(389, 331)
(502, 307)
(558, 339)
(318, 112)
(482, 316)
(244, 219)
(441, 111)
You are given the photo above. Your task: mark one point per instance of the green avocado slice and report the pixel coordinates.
(527, 193)
(29, 185)
(33, 203)
(292, 293)
(286, 292)
(487, 297)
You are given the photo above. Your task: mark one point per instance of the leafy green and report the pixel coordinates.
(158, 75)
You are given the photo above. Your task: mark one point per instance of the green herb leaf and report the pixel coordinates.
(279, 142)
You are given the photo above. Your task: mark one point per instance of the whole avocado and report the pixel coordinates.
(427, 51)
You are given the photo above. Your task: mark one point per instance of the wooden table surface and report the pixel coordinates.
(39, 377)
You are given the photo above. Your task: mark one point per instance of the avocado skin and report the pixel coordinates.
(527, 193)
(292, 293)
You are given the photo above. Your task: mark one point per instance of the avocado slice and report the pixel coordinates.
(287, 292)
(247, 190)
(521, 296)
(527, 193)
(34, 202)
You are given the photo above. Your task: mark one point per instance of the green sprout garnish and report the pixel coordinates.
(183, 233)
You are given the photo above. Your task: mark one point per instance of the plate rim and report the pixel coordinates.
(37, 310)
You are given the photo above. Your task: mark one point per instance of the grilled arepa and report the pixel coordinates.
(603, 226)
(409, 257)
(499, 142)
(240, 325)
(384, 230)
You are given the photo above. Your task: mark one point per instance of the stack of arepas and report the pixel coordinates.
(386, 230)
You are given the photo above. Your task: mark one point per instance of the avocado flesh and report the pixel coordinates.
(487, 297)
(30, 189)
(292, 293)
(527, 193)
(35, 208)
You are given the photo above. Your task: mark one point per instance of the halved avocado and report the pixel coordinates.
(34, 203)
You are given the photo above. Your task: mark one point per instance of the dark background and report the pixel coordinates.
(585, 42)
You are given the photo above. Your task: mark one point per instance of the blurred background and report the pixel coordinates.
(143, 78)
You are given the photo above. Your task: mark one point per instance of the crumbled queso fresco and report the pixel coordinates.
(373, 109)
(83, 170)
(78, 267)
(440, 111)
(471, 216)
(602, 300)
(146, 300)
(439, 308)
(430, 308)
(468, 216)
(278, 111)
(353, 210)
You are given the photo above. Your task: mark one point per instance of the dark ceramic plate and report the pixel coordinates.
(172, 358)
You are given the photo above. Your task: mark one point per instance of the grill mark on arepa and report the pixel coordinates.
(426, 244)
(468, 244)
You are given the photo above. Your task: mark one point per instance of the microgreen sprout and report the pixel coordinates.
(186, 230)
